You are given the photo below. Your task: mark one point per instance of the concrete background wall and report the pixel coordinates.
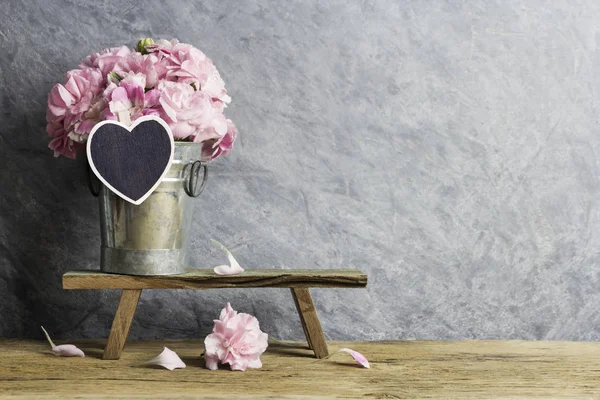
(448, 149)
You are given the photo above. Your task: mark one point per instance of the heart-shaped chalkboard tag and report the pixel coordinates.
(131, 160)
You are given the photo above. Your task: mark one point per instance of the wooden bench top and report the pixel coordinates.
(207, 279)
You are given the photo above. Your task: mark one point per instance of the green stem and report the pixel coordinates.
(222, 246)
(48, 337)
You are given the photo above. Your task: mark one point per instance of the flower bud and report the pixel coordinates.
(114, 77)
(141, 45)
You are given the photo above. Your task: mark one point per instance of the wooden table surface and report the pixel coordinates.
(399, 369)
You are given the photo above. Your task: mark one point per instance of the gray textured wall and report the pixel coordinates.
(448, 150)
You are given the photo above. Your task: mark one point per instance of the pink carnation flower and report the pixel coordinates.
(150, 65)
(130, 98)
(90, 118)
(127, 97)
(187, 64)
(168, 47)
(172, 80)
(212, 149)
(236, 340)
(61, 143)
(69, 106)
(71, 100)
(190, 113)
(195, 68)
(108, 60)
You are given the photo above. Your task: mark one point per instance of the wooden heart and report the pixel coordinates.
(131, 160)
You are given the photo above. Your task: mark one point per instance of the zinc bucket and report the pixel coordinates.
(152, 238)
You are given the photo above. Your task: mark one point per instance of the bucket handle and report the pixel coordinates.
(190, 185)
(94, 189)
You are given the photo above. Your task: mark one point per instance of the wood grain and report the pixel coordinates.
(121, 324)
(207, 279)
(399, 370)
(310, 321)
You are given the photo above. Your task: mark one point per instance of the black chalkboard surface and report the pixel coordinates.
(131, 161)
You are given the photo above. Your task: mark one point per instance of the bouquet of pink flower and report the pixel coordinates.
(174, 81)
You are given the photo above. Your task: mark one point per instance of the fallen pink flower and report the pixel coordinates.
(167, 359)
(236, 340)
(64, 350)
(359, 358)
(233, 268)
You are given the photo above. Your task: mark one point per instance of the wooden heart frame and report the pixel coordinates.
(129, 129)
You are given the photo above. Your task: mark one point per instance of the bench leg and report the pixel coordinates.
(121, 324)
(303, 323)
(310, 321)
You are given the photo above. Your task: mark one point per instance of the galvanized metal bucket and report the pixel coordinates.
(152, 238)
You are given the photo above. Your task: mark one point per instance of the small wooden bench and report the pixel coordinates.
(299, 281)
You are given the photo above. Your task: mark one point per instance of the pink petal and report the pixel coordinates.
(212, 362)
(212, 342)
(86, 126)
(70, 91)
(359, 358)
(227, 313)
(168, 107)
(119, 94)
(64, 350)
(152, 98)
(235, 266)
(214, 350)
(220, 125)
(167, 359)
(228, 270)
(67, 350)
(233, 269)
(255, 363)
(239, 365)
